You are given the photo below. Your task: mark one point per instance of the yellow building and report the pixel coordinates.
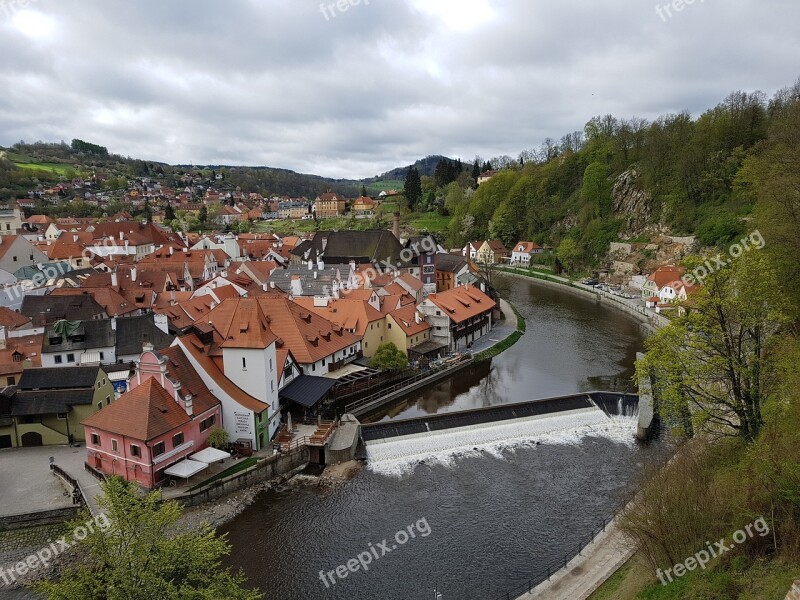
(406, 328)
(49, 404)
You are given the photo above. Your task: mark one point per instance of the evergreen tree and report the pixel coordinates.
(364, 190)
(169, 213)
(413, 187)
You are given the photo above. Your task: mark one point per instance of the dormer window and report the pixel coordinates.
(17, 356)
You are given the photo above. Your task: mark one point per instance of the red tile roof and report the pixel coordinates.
(144, 413)
(462, 303)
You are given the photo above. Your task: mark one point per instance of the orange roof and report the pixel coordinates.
(462, 303)
(193, 347)
(411, 281)
(28, 347)
(11, 319)
(144, 413)
(350, 314)
(526, 247)
(667, 275)
(180, 368)
(406, 318)
(241, 323)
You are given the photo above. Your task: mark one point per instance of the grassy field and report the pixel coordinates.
(26, 162)
(384, 186)
(431, 222)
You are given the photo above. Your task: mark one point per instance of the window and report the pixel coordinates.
(98, 385)
(62, 416)
(244, 363)
(177, 440)
(15, 258)
(314, 367)
(11, 380)
(70, 358)
(438, 313)
(103, 357)
(158, 449)
(99, 405)
(114, 446)
(270, 365)
(272, 385)
(96, 440)
(31, 256)
(136, 451)
(58, 359)
(323, 362)
(108, 400)
(390, 325)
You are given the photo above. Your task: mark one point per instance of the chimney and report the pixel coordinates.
(75, 238)
(147, 347)
(3, 337)
(310, 265)
(133, 274)
(114, 281)
(297, 287)
(396, 226)
(320, 264)
(185, 249)
(171, 249)
(121, 236)
(188, 404)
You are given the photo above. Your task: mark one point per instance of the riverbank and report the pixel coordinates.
(633, 308)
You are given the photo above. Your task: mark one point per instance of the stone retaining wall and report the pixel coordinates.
(272, 467)
(45, 517)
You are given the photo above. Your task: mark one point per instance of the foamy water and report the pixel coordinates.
(399, 456)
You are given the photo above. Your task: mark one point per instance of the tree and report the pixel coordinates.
(569, 253)
(218, 437)
(364, 190)
(389, 357)
(711, 368)
(413, 187)
(169, 213)
(147, 213)
(202, 217)
(140, 554)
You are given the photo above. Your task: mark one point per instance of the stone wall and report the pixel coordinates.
(45, 517)
(271, 468)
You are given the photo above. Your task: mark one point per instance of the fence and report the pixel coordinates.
(77, 493)
(546, 572)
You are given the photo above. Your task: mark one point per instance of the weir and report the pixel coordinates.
(610, 403)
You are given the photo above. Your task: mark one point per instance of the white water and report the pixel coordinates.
(399, 456)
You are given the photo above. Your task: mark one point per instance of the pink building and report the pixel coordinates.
(167, 415)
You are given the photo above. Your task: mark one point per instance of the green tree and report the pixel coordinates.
(143, 554)
(389, 357)
(218, 437)
(711, 368)
(596, 189)
(569, 253)
(169, 213)
(202, 217)
(413, 187)
(364, 190)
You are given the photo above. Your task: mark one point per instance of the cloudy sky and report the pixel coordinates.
(352, 93)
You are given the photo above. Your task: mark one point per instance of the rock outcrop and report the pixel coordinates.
(632, 203)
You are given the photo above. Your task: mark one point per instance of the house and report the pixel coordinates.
(330, 205)
(49, 405)
(424, 250)
(374, 247)
(360, 317)
(46, 310)
(71, 343)
(449, 267)
(458, 316)
(486, 176)
(491, 252)
(155, 425)
(18, 354)
(12, 321)
(133, 333)
(10, 220)
(470, 251)
(364, 206)
(406, 328)
(663, 277)
(522, 252)
(16, 252)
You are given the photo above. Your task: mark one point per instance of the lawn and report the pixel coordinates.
(236, 468)
(384, 186)
(432, 222)
(26, 162)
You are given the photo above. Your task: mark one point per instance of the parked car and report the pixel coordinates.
(591, 282)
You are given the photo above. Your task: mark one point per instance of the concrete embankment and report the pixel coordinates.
(648, 318)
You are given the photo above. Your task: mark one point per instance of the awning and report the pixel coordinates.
(119, 376)
(428, 348)
(90, 358)
(210, 455)
(186, 468)
(307, 390)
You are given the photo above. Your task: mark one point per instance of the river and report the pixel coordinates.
(493, 515)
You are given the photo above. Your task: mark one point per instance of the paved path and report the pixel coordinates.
(501, 331)
(34, 463)
(588, 571)
(27, 485)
